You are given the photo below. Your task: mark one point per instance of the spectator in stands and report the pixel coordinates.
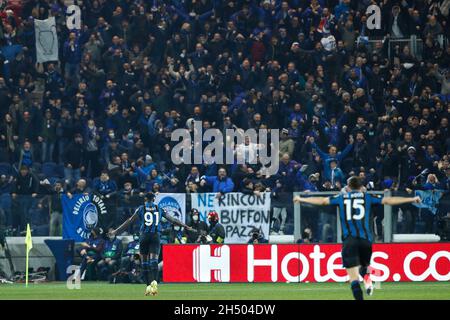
(143, 70)
(220, 183)
(91, 139)
(336, 176)
(23, 194)
(72, 57)
(26, 155)
(48, 137)
(6, 186)
(8, 138)
(332, 155)
(81, 187)
(54, 202)
(74, 157)
(104, 186)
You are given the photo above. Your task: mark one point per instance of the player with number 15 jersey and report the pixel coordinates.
(355, 216)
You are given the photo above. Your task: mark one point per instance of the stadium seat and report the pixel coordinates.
(50, 170)
(60, 170)
(36, 167)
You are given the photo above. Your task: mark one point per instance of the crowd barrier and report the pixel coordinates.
(274, 215)
(301, 263)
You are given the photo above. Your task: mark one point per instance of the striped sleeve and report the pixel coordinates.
(375, 199)
(335, 200)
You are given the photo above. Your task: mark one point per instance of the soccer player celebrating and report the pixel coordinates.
(354, 214)
(149, 216)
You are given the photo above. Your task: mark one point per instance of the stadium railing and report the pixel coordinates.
(325, 226)
(287, 221)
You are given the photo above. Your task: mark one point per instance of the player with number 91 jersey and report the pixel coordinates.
(150, 217)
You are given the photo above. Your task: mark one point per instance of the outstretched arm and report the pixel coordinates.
(124, 225)
(318, 201)
(175, 221)
(395, 201)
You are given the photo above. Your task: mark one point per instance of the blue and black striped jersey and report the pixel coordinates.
(150, 217)
(355, 213)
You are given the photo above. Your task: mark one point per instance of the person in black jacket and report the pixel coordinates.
(200, 227)
(74, 160)
(81, 187)
(53, 200)
(216, 232)
(23, 194)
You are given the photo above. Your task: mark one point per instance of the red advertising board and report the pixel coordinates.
(301, 263)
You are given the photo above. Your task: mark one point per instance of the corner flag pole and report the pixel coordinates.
(29, 244)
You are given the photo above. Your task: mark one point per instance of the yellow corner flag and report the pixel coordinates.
(29, 244)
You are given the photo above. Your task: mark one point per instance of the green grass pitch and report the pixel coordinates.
(256, 291)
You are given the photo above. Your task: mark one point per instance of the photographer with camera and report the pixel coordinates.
(257, 237)
(130, 264)
(130, 256)
(200, 228)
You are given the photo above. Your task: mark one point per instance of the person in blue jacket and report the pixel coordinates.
(72, 52)
(220, 183)
(104, 185)
(332, 154)
(335, 173)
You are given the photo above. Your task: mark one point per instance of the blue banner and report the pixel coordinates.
(80, 215)
(430, 199)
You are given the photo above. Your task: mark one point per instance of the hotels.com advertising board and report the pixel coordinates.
(301, 263)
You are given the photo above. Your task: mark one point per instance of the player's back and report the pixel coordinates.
(150, 218)
(355, 213)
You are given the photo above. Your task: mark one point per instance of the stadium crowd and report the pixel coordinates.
(102, 119)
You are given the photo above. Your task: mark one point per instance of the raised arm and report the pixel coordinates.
(346, 151)
(395, 201)
(322, 154)
(317, 201)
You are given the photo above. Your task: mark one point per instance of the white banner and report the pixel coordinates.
(46, 40)
(173, 203)
(238, 213)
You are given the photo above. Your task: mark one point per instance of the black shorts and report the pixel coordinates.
(356, 252)
(149, 243)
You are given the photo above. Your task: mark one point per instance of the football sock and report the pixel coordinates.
(153, 269)
(356, 290)
(145, 272)
(363, 271)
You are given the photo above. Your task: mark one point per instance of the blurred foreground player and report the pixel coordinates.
(354, 214)
(149, 215)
